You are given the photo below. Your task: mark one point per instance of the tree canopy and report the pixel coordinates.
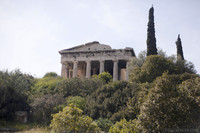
(169, 107)
(151, 39)
(179, 49)
(14, 90)
(153, 67)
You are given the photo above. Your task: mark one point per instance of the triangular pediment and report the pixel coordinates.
(92, 46)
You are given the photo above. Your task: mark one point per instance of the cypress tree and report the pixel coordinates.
(151, 39)
(179, 49)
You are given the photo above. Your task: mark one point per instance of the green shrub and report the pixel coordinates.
(47, 85)
(124, 126)
(72, 120)
(44, 106)
(50, 74)
(105, 77)
(125, 113)
(79, 87)
(78, 101)
(110, 99)
(104, 124)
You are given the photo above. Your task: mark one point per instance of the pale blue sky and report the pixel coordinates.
(33, 31)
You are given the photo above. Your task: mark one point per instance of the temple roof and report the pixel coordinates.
(92, 47)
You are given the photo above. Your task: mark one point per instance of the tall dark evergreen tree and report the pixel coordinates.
(151, 39)
(179, 48)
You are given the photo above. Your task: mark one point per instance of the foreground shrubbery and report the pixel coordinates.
(169, 106)
(72, 120)
(162, 95)
(51, 94)
(15, 126)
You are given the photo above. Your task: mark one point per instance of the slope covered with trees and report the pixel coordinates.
(158, 97)
(162, 95)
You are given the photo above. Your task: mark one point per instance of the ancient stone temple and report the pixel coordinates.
(93, 58)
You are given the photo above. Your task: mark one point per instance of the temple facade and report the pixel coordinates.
(93, 58)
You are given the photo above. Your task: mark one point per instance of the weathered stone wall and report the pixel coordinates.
(121, 54)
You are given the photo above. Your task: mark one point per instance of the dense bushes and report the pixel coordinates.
(14, 89)
(47, 85)
(104, 124)
(124, 126)
(79, 87)
(72, 120)
(52, 93)
(153, 67)
(43, 107)
(110, 99)
(43, 96)
(169, 106)
(78, 101)
(162, 95)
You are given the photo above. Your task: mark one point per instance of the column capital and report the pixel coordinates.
(88, 61)
(115, 61)
(75, 61)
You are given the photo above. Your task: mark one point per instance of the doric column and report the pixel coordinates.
(88, 69)
(64, 71)
(101, 66)
(75, 69)
(127, 70)
(115, 70)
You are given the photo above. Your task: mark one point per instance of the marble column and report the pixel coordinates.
(101, 66)
(75, 69)
(88, 69)
(64, 71)
(115, 70)
(127, 70)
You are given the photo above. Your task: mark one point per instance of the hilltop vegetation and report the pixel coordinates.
(161, 95)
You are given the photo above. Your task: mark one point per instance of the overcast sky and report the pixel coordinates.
(33, 31)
